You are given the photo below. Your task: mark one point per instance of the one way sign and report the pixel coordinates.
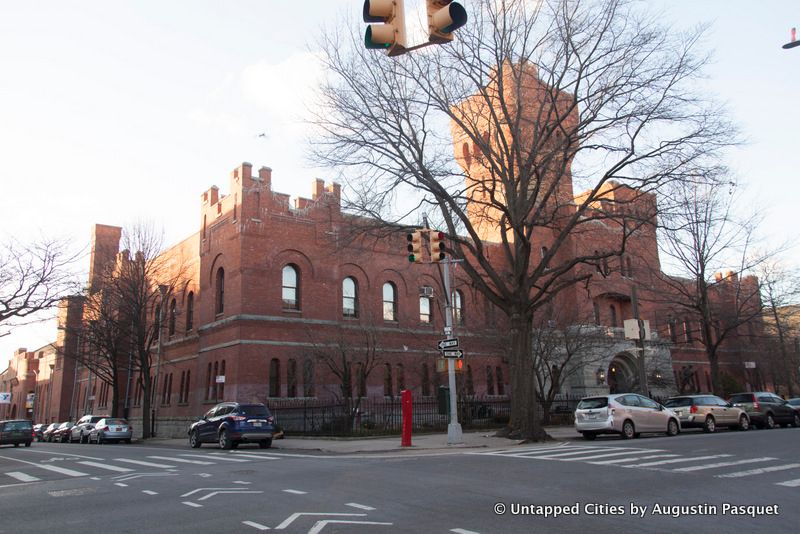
(447, 343)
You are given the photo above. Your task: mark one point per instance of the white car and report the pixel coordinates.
(626, 414)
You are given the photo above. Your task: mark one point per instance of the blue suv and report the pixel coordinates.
(231, 423)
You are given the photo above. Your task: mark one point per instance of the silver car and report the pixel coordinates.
(626, 414)
(111, 429)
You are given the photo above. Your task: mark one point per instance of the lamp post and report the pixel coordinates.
(162, 291)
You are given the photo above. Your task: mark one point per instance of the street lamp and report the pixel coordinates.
(794, 42)
(162, 291)
(600, 374)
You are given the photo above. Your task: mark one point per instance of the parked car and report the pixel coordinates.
(794, 403)
(110, 429)
(766, 410)
(707, 412)
(61, 433)
(231, 423)
(38, 429)
(626, 414)
(47, 433)
(16, 431)
(80, 432)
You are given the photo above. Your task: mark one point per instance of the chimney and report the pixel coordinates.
(317, 188)
(265, 175)
(718, 277)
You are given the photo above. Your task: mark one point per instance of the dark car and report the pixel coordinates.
(38, 429)
(16, 431)
(62, 432)
(766, 410)
(47, 433)
(231, 423)
(80, 432)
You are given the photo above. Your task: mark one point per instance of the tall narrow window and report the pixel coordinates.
(401, 378)
(291, 290)
(596, 310)
(498, 374)
(426, 380)
(188, 385)
(183, 384)
(687, 330)
(349, 297)
(209, 378)
(221, 388)
(470, 381)
(220, 293)
(387, 380)
(189, 312)
(362, 379)
(291, 377)
(673, 329)
(424, 310)
(389, 302)
(489, 380)
(613, 315)
(458, 307)
(172, 317)
(275, 378)
(308, 378)
(214, 385)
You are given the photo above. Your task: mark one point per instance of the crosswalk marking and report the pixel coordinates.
(759, 471)
(146, 464)
(722, 464)
(680, 460)
(790, 483)
(62, 470)
(22, 477)
(106, 466)
(635, 459)
(220, 457)
(605, 455)
(182, 460)
(572, 453)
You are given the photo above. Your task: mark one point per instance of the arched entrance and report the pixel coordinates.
(622, 376)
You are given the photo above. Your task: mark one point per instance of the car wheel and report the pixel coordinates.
(796, 420)
(224, 440)
(194, 440)
(672, 428)
(267, 443)
(27, 443)
(85, 438)
(709, 425)
(744, 422)
(628, 430)
(770, 424)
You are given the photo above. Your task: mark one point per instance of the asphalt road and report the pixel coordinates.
(726, 482)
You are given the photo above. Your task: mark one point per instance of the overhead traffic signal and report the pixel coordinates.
(444, 17)
(391, 34)
(437, 246)
(414, 246)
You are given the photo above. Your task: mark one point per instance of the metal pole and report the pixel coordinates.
(128, 381)
(454, 434)
(162, 290)
(639, 342)
(73, 402)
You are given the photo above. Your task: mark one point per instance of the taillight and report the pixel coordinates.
(756, 405)
(693, 409)
(237, 418)
(102, 428)
(270, 419)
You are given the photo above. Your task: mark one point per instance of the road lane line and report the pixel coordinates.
(295, 492)
(359, 506)
(182, 460)
(289, 520)
(120, 484)
(622, 460)
(255, 525)
(22, 477)
(192, 504)
(790, 483)
(150, 492)
(723, 464)
(146, 464)
(319, 525)
(106, 466)
(592, 457)
(759, 471)
(62, 470)
(220, 457)
(680, 460)
(462, 531)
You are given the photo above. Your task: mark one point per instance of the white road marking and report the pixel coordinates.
(150, 492)
(462, 531)
(594, 456)
(94, 478)
(319, 525)
(66, 456)
(288, 521)
(722, 464)
(258, 526)
(106, 466)
(215, 493)
(636, 459)
(295, 492)
(569, 453)
(192, 504)
(256, 455)
(140, 462)
(22, 477)
(680, 460)
(241, 482)
(759, 471)
(182, 460)
(63, 470)
(220, 457)
(790, 483)
(359, 506)
(120, 484)
(211, 489)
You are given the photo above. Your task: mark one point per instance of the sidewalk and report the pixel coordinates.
(485, 439)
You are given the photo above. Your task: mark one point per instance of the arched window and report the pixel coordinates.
(291, 378)
(274, 378)
(189, 312)
(291, 288)
(389, 302)
(458, 307)
(172, 315)
(613, 314)
(489, 380)
(220, 293)
(426, 380)
(424, 310)
(387, 380)
(308, 378)
(349, 297)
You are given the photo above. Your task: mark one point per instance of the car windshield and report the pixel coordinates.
(675, 403)
(742, 397)
(593, 403)
(254, 410)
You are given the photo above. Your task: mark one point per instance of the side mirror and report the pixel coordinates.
(660, 407)
(728, 405)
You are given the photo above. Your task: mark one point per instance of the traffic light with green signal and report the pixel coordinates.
(437, 246)
(390, 33)
(414, 246)
(444, 17)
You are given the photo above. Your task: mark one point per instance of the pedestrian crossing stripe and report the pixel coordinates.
(22, 477)
(759, 471)
(722, 464)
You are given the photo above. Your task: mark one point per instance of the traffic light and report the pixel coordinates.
(391, 34)
(414, 246)
(444, 17)
(437, 246)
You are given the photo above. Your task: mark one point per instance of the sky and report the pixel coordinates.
(126, 111)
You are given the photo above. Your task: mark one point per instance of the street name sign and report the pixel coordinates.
(447, 343)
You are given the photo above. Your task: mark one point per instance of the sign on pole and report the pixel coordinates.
(457, 353)
(5, 398)
(749, 365)
(447, 343)
(220, 379)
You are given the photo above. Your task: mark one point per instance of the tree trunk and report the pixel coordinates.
(147, 386)
(115, 398)
(525, 421)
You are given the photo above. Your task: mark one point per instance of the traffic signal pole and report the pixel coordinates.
(454, 434)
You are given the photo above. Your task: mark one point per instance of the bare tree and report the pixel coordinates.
(780, 291)
(710, 250)
(540, 97)
(33, 278)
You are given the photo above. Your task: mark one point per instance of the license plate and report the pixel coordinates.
(119, 429)
(256, 424)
